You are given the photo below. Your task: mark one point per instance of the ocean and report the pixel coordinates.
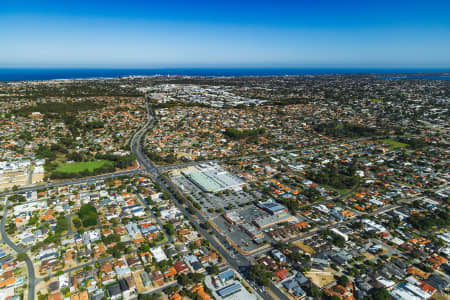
(25, 74)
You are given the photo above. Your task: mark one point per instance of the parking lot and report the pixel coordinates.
(211, 204)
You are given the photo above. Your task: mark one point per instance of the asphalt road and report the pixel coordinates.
(32, 280)
(144, 202)
(92, 262)
(74, 181)
(216, 240)
(29, 263)
(160, 289)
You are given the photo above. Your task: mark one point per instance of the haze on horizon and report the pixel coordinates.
(262, 33)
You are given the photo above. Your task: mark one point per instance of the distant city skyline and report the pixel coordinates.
(148, 34)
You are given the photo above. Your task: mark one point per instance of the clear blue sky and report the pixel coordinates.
(226, 33)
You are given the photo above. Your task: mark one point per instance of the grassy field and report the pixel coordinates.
(81, 166)
(339, 191)
(376, 100)
(394, 144)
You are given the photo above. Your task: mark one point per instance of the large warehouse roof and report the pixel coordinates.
(212, 178)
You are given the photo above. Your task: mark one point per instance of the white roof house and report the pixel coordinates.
(158, 254)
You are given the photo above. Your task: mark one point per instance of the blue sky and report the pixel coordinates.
(302, 33)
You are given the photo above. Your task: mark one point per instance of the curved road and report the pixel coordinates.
(216, 239)
(30, 266)
(32, 280)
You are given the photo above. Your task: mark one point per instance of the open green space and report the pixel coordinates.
(394, 144)
(345, 130)
(237, 134)
(78, 167)
(340, 179)
(376, 100)
(102, 163)
(61, 225)
(337, 190)
(88, 215)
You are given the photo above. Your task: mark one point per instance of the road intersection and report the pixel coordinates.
(218, 241)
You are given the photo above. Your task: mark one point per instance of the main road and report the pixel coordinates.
(73, 181)
(144, 164)
(155, 172)
(216, 239)
(135, 148)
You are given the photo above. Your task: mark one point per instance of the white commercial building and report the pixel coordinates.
(212, 178)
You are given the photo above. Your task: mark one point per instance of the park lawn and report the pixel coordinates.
(394, 144)
(339, 191)
(376, 100)
(81, 166)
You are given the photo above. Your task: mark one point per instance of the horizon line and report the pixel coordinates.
(256, 67)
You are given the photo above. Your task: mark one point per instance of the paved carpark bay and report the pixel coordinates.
(212, 204)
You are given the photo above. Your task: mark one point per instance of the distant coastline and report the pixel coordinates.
(38, 74)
